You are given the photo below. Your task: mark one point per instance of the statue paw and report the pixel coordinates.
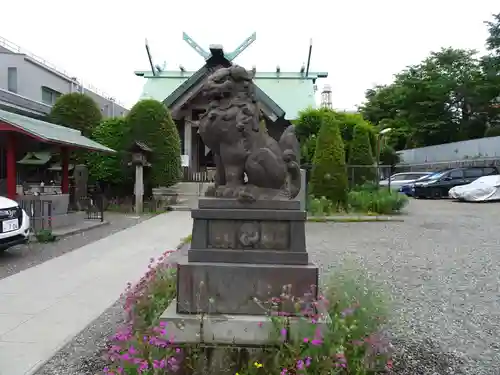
(246, 197)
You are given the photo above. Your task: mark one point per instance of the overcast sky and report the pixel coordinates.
(358, 42)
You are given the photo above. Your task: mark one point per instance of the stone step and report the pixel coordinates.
(181, 207)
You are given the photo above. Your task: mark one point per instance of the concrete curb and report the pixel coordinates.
(354, 219)
(61, 233)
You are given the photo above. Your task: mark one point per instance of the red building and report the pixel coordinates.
(20, 134)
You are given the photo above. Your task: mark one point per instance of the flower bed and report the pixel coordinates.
(353, 342)
(366, 199)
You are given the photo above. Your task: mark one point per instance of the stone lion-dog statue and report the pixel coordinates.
(250, 164)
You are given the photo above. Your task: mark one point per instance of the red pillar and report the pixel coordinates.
(65, 170)
(11, 166)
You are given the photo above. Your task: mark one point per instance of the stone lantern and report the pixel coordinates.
(140, 153)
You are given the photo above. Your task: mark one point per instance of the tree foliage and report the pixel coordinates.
(151, 123)
(361, 159)
(306, 129)
(112, 169)
(388, 156)
(77, 111)
(309, 123)
(328, 178)
(447, 97)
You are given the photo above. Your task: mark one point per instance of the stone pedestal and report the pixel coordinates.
(242, 255)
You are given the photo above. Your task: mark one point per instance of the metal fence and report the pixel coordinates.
(353, 171)
(204, 175)
(436, 166)
(94, 204)
(39, 212)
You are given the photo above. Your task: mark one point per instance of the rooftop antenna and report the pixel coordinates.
(309, 56)
(243, 46)
(195, 46)
(150, 58)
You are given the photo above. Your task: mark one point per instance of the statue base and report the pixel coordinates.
(244, 254)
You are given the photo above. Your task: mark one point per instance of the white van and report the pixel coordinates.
(14, 224)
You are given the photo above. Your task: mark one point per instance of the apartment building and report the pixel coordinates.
(29, 85)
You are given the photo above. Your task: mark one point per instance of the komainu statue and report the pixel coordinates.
(250, 164)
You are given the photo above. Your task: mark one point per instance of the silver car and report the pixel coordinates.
(399, 179)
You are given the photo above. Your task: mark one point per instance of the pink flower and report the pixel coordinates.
(300, 364)
(283, 332)
(308, 361)
(159, 364)
(316, 342)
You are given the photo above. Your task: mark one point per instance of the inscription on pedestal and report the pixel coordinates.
(265, 235)
(275, 235)
(249, 235)
(222, 234)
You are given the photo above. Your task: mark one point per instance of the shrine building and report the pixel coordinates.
(281, 95)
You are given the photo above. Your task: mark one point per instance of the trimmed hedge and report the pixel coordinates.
(77, 111)
(328, 178)
(151, 123)
(112, 169)
(360, 155)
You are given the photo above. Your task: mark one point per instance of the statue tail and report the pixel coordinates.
(291, 154)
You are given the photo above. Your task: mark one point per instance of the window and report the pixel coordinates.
(456, 174)
(415, 176)
(12, 79)
(399, 177)
(473, 173)
(49, 96)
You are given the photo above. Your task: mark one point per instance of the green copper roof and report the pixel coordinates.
(291, 91)
(292, 95)
(51, 133)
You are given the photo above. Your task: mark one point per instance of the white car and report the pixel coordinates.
(14, 224)
(483, 189)
(399, 179)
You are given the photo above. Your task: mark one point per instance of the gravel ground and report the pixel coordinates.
(441, 266)
(19, 258)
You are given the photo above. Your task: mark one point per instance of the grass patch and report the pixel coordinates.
(187, 239)
(353, 219)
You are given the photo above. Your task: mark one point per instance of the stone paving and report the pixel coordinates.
(44, 307)
(21, 257)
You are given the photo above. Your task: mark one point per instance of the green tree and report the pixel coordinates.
(77, 111)
(442, 99)
(112, 169)
(328, 178)
(361, 157)
(347, 123)
(491, 67)
(309, 123)
(307, 127)
(151, 123)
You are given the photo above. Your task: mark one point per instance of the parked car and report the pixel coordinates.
(14, 224)
(438, 185)
(484, 189)
(409, 189)
(399, 179)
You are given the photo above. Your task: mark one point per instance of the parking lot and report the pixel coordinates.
(441, 267)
